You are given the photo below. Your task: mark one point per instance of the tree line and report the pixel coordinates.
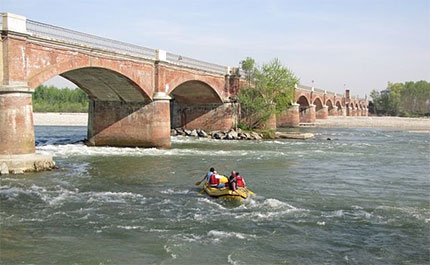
(53, 99)
(409, 99)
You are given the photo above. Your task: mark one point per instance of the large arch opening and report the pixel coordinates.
(318, 104)
(320, 111)
(119, 112)
(352, 109)
(339, 108)
(60, 112)
(329, 104)
(303, 108)
(196, 105)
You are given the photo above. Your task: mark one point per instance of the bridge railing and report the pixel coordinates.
(57, 33)
(304, 88)
(322, 91)
(193, 63)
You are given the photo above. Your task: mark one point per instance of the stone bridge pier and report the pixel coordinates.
(289, 117)
(17, 142)
(144, 124)
(308, 114)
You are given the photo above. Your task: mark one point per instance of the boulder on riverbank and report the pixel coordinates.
(238, 134)
(231, 134)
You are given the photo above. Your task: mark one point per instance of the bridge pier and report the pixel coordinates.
(342, 111)
(133, 124)
(333, 112)
(17, 142)
(322, 113)
(271, 123)
(347, 111)
(289, 117)
(307, 114)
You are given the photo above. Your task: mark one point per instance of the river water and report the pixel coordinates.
(361, 198)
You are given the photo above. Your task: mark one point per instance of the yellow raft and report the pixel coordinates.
(226, 193)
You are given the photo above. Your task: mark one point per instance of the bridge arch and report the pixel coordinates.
(101, 78)
(194, 92)
(318, 103)
(303, 101)
(329, 104)
(338, 105)
(306, 110)
(196, 104)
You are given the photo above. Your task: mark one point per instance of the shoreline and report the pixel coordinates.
(421, 125)
(60, 119)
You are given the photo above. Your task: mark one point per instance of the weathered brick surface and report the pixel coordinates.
(16, 124)
(209, 117)
(289, 118)
(307, 114)
(115, 123)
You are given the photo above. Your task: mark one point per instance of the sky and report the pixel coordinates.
(358, 45)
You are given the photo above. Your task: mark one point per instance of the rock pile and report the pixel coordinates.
(231, 134)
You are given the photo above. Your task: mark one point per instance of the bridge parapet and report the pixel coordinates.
(59, 34)
(303, 88)
(193, 63)
(46, 31)
(319, 90)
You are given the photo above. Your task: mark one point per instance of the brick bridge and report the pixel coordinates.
(136, 94)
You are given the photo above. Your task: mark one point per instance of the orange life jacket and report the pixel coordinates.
(213, 181)
(239, 181)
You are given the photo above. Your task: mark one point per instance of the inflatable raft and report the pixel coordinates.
(226, 193)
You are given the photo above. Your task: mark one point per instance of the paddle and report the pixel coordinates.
(199, 182)
(249, 191)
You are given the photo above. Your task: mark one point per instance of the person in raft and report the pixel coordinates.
(240, 182)
(215, 180)
(232, 181)
(235, 181)
(208, 175)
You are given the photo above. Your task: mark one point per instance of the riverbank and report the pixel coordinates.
(60, 119)
(390, 123)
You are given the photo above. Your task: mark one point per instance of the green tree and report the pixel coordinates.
(376, 100)
(270, 91)
(394, 100)
(53, 99)
(248, 66)
(404, 99)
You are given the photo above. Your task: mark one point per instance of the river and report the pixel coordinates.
(361, 198)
